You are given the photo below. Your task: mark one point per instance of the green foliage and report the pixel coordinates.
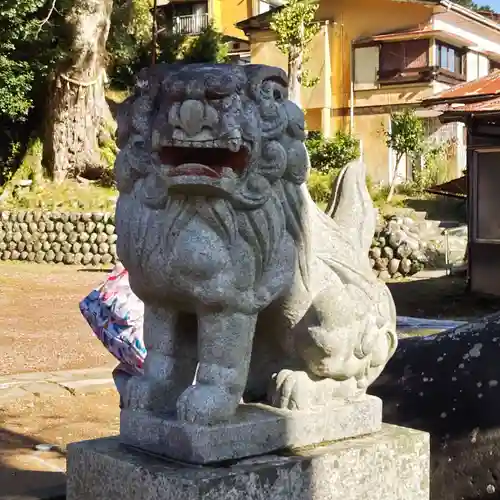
(320, 186)
(332, 154)
(130, 44)
(208, 46)
(406, 136)
(295, 28)
(30, 45)
(474, 6)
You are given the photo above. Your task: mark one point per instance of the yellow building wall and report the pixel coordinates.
(350, 20)
(231, 12)
(378, 16)
(264, 51)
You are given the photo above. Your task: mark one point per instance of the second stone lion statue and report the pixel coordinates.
(241, 274)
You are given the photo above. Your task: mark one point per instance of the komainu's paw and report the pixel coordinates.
(143, 393)
(299, 390)
(206, 404)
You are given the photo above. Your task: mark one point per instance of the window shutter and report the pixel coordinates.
(391, 57)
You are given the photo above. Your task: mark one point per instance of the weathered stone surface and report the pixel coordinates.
(390, 465)
(449, 385)
(254, 430)
(236, 251)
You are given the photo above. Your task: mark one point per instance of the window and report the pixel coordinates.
(450, 58)
(494, 65)
(396, 57)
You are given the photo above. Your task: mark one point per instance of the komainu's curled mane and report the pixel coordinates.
(238, 269)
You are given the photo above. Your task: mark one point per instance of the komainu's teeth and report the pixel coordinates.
(156, 140)
(234, 145)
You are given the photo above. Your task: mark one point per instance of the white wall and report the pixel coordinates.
(478, 37)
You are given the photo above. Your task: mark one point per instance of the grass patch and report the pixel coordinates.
(69, 196)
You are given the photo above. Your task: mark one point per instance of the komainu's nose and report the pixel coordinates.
(191, 116)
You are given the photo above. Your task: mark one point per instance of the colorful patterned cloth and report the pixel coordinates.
(116, 315)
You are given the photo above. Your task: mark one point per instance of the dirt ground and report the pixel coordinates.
(56, 420)
(41, 328)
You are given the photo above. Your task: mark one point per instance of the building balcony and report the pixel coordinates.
(189, 25)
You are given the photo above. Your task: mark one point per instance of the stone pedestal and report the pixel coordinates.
(254, 430)
(392, 464)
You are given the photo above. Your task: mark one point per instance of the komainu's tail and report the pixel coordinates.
(353, 209)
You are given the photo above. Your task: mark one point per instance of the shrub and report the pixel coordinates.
(320, 186)
(331, 154)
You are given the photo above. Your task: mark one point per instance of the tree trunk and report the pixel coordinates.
(294, 71)
(77, 108)
(392, 188)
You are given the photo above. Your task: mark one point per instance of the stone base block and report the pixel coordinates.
(255, 430)
(392, 464)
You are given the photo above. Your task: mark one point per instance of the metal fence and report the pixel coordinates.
(190, 25)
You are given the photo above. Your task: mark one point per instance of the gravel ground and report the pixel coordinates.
(41, 328)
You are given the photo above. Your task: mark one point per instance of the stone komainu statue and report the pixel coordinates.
(238, 269)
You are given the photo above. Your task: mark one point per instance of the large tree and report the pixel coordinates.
(295, 28)
(77, 112)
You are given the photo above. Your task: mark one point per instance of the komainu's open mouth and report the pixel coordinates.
(208, 162)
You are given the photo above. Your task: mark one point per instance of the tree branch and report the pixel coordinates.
(45, 20)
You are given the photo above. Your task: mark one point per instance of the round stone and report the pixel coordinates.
(3, 246)
(6, 255)
(29, 247)
(64, 217)
(49, 226)
(101, 238)
(90, 226)
(22, 226)
(68, 227)
(405, 267)
(59, 257)
(17, 237)
(83, 237)
(99, 227)
(21, 246)
(384, 275)
(66, 247)
(59, 227)
(78, 258)
(80, 227)
(97, 216)
(62, 237)
(76, 247)
(72, 237)
(96, 260)
(69, 258)
(50, 255)
(12, 246)
(103, 248)
(39, 257)
(33, 227)
(388, 252)
(74, 217)
(51, 237)
(93, 237)
(29, 217)
(109, 229)
(23, 255)
(30, 257)
(112, 238)
(94, 248)
(37, 246)
(14, 255)
(106, 259)
(56, 246)
(87, 258)
(85, 248)
(375, 253)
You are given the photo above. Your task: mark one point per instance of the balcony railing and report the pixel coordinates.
(190, 25)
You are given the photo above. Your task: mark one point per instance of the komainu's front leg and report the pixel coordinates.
(224, 351)
(170, 363)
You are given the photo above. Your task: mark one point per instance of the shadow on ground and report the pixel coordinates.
(444, 297)
(21, 468)
(440, 208)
